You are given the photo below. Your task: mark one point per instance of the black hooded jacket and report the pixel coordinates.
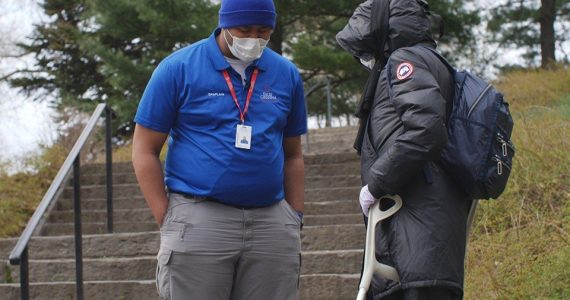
(405, 134)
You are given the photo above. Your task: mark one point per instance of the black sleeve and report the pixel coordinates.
(416, 97)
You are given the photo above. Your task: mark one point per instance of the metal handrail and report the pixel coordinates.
(307, 94)
(19, 255)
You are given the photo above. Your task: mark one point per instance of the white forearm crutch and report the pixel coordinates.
(371, 265)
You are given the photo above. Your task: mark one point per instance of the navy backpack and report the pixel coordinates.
(479, 152)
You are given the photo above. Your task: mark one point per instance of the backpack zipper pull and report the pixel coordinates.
(499, 167)
(503, 144)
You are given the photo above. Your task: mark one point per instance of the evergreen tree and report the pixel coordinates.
(531, 24)
(130, 38)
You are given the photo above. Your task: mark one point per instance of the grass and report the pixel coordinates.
(520, 248)
(21, 193)
(531, 88)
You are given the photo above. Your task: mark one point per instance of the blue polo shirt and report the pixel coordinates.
(188, 98)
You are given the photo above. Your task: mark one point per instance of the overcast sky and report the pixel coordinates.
(24, 124)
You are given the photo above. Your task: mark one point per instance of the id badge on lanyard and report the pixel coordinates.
(243, 136)
(243, 132)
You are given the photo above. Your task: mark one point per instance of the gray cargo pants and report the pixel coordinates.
(212, 251)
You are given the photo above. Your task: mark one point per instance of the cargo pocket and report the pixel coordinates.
(163, 273)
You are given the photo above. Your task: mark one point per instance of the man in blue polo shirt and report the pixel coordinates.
(230, 204)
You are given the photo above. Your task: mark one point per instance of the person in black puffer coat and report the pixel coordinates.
(404, 137)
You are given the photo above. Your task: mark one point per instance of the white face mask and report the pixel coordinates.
(368, 63)
(246, 49)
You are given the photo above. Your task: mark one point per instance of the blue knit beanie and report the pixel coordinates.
(235, 13)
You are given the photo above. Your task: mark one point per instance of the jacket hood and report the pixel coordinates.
(409, 25)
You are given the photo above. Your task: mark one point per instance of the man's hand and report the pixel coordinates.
(366, 200)
(160, 220)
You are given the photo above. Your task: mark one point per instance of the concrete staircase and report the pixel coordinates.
(122, 265)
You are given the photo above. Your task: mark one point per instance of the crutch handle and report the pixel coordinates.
(371, 265)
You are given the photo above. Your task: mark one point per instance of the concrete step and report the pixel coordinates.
(101, 179)
(101, 203)
(142, 215)
(57, 229)
(312, 287)
(333, 130)
(346, 169)
(100, 290)
(333, 237)
(350, 206)
(120, 167)
(133, 190)
(324, 147)
(130, 244)
(328, 180)
(100, 227)
(331, 158)
(318, 237)
(341, 219)
(315, 181)
(346, 137)
(144, 267)
(310, 159)
(329, 286)
(311, 208)
(136, 215)
(335, 175)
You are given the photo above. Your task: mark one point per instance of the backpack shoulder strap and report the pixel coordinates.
(379, 26)
(445, 62)
(456, 76)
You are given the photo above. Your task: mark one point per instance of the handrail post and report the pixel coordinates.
(109, 167)
(24, 276)
(78, 242)
(328, 122)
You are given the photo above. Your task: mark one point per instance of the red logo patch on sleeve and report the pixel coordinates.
(404, 70)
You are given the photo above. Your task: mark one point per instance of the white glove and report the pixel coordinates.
(366, 200)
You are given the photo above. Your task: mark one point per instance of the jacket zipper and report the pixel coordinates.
(478, 100)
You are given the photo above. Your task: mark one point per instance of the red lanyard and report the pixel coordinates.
(233, 92)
